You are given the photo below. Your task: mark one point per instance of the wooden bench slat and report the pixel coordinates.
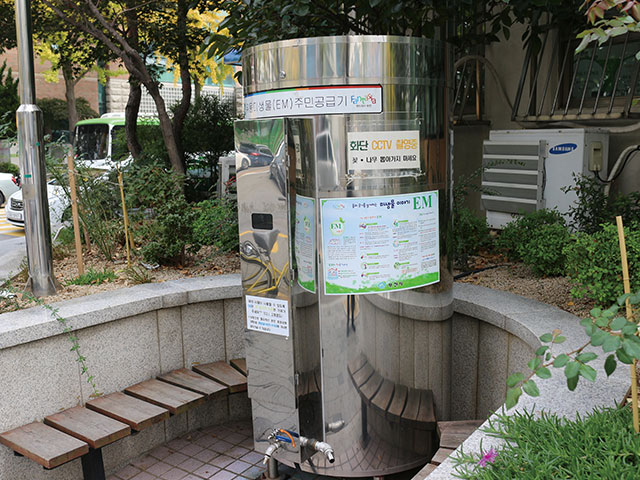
(426, 414)
(197, 383)
(459, 426)
(441, 455)
(426, 470)
(412, 407)
(92, 427)
(225, 374)
(357, 363)
(174, 399)
(240, 364)
(44, 445)
(398, 401)
(362, 375)
(382, 399)
(136, 413)
(370, 388)
(452, 440)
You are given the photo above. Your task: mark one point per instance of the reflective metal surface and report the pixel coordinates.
(306, 382)
(32, 164)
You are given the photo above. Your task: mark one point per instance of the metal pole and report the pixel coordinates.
(31, 151)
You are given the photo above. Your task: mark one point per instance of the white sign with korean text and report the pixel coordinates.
(268, 315)
(383, 150)
(314, 101)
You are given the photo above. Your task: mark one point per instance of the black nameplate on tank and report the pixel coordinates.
(262, 221)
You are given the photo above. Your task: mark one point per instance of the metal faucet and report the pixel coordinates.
(322, 447)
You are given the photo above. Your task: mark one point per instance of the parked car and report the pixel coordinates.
(254, 155)
(8, 185)
(58, 203)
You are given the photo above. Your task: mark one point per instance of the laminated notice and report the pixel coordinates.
(268, 315)
(383, 150)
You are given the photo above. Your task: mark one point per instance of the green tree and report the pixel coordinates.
(9, 99)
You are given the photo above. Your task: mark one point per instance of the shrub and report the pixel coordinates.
(8, 167)
(93, 277)
(55, 114)
(470, 233)
(544, 250)
(593, 208)
(516, 234)
(9, 100)
(593, 263)
(217, 224)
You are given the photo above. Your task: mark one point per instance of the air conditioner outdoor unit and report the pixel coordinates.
(526, 170)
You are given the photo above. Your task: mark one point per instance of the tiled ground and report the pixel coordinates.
(217, 453)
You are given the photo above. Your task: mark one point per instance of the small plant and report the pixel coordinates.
(517, 234)
(217, 224)
(470, 233)
(8, 167)
(606, 329)
(137, 275)
(544, 252)
(593, 207)
(593, 263)
(601, 444)
(93, 277)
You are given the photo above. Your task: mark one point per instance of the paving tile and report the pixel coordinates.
(221, 461)
(235, 438)
(128, 472)
(238, 466)
(144, 476)
(221, 446)
(223, 475)
(191, 465)
(175, 459)
(253, 457)
(253, 472)
(191, 449)
(206, 441)
(191, 477)
(206, 471)
(237, 452)
(248, 443)
(174, 474)
(206, 455)
(113, 477)
(178, 444)
(159, 468)
(144, 463)
(161, 452)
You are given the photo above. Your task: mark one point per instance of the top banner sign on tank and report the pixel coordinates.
(293, 102)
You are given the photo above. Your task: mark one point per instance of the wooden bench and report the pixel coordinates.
(83, 431)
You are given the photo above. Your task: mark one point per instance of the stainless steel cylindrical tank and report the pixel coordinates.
(356, 176)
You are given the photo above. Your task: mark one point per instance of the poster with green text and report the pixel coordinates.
(380, 244)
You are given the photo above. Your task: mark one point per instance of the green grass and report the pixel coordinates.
(93, 277)
(601, 445)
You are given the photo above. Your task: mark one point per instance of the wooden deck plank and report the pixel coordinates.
(412, 408)
(426, 471)
(240, 364)
(459, 426)
(225, 374)
(426, 414)
(382, 399)
(174, 399)
(452, 440)
(136, 413)
(369, 389)
(362, 375)
(92, 427)
(43, 444)
(398, 402)
(195, 382)
(441, 455)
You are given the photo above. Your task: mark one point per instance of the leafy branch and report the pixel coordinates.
(615, 334)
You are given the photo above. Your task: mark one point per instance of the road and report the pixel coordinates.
(7, 230)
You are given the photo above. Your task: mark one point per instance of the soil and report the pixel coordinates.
(501, 275)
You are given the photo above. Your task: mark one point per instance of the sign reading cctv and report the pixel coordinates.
(314, 101)
(383, 150)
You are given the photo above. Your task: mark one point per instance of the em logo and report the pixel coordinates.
(422, 202)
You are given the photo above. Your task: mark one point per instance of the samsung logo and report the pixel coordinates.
(563, 148)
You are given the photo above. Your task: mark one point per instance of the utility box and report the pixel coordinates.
(527, 170)
(343, 175)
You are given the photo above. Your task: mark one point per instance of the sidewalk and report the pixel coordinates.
(12, 252)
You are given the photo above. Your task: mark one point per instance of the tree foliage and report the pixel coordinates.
(610, 18)
(9, 99)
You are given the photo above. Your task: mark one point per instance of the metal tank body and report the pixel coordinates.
(311, 350)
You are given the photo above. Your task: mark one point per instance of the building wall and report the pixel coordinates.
(87, 87)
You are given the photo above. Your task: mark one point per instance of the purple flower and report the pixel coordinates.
(488, 457)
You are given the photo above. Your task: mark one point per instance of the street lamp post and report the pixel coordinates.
(32, 164)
